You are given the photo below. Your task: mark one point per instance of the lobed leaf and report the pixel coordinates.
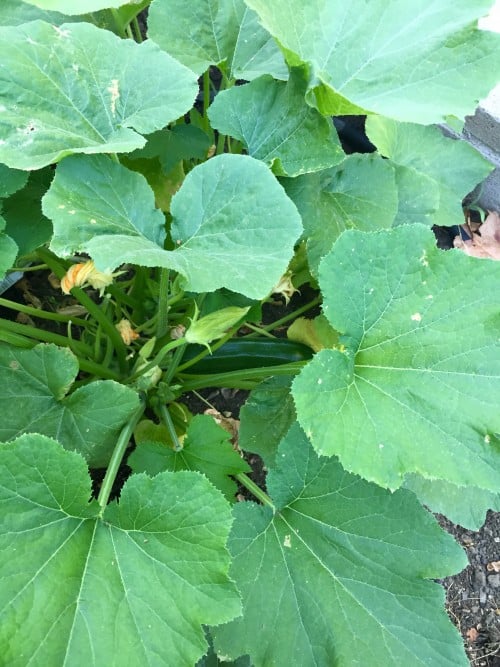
(215, 32)
(34, 386)
(132, 586)
(222, 217)
(407, 62)
(206, 449)
(416, 387)
(360, 193)
(275, 124)
(341, 563)
(78, 89)
(421, 154)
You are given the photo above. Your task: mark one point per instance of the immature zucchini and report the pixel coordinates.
(238, 354)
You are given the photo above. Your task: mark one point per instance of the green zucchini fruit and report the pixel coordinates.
(241, 353)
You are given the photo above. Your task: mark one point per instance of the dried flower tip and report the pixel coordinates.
(285, 287)
(126, 332)
(80, 275)
(177, 332)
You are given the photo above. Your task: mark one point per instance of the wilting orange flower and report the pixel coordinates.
(80, 275)
(126, 332)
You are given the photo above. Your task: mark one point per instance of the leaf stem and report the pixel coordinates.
(167, 420)
(40, 335)
(283, 320)
(162, 323)
(117, 456)
(241, 379)
(255, 490)
(38, 312)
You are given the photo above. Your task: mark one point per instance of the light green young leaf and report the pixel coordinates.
(341, 563)
(90, 95)
(465, 505)
(274, 122)
(223, 217)
(408, 61)
(33, 390)
(419, 152)
(212, 32)
(131, 587)
(207, 449)
(266, 418)
(359, 193)
(416, 388)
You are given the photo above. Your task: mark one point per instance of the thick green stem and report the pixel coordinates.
(239, 379)
(137, 30)
(40, 335)
(43, 314)
(118, 22)
(167, 420)
(162, 323)
(117, 456)
(283, 320)
(206, 99)
(245, 481)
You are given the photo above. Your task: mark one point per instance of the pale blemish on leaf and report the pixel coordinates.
(93, 221)
(381, 446)
(423, 259)
(416, 317)
(14, 365)
(60, 32)
(320, 381)
(115, 94)
(487, 439)
(287, 542)
(72, 212)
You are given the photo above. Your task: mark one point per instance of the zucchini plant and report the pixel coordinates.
(172, 179)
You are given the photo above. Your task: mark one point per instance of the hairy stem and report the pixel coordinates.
(256, 491)
(117, 456)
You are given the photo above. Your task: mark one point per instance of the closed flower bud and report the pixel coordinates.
(214, 325)
(126, 331)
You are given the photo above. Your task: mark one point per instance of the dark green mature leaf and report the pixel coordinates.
(182, 142)
(465, 505)
(212, 32)
(33, 390)
(11, 180)
(276, 125)
(233, 225)
(417, 386)
(132, 586)
(8, 250)
(88, 96)
(22, 211)
(359, 193)
(405, 61)
(340, 566)
(266, 418)
(421, 153)
(207, 449)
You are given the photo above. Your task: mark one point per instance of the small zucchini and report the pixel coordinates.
(242, 353)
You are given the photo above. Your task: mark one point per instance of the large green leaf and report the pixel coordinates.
(465, 505)
(207, 449)
(33, 391)
(417, 386)
(359, 193)
(410, 61)
(132, 587)
(421, 153)
(233, 225)
(212, 32)
(273, 121)
(79, 89)
(340, 567)
(15, 12)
